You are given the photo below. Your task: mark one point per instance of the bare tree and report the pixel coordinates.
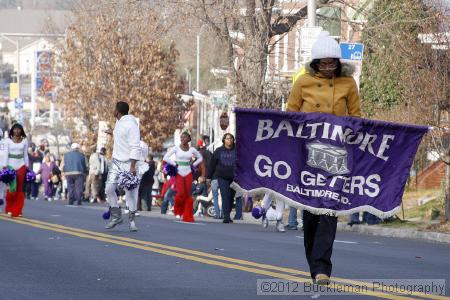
(248, 29)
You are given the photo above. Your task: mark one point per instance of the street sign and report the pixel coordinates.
(13, 90)
(352, 51)
(18, 103)
(43, 81)
(308, 35)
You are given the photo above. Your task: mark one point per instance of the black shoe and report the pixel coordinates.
(227, 221)
(291, 227)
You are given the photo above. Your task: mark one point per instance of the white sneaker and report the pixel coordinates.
(92, 200)
(170, 213)
(126, 211)
(177, 217)
(137, 214)
(265, 222)
(280, 226)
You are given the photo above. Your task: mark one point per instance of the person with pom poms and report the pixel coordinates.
(16, 158)
(183, 179)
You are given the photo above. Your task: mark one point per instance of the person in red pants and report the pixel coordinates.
(16, 157)
(184, 155)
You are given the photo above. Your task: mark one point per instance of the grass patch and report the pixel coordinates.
(426, 211)
(411, 196)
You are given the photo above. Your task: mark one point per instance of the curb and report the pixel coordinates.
(396, 232)
(376, 230)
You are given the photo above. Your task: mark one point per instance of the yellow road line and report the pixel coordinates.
(121, 241)
(228, 259)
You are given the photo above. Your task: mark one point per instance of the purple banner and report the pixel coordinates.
(324, 163)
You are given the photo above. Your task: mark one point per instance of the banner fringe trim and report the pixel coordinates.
(314, 210)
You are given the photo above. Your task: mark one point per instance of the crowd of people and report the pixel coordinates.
(78, 177)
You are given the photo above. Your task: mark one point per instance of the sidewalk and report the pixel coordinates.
(378, 230)
(399, 232)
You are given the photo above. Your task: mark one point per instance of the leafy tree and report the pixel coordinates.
(113, 52)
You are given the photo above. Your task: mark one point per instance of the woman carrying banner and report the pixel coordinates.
(16, 157)
(327, 87)
(183, 180)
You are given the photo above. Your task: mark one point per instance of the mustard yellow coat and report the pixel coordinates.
(339, 96)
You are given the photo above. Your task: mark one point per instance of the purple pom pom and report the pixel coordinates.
(1, 202)
(128, 180)
(193, 169)
(7, 175)
(258, 212)
(30, 176)
(107, 214)
(170, 170)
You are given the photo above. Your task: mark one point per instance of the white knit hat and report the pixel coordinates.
(325, 47)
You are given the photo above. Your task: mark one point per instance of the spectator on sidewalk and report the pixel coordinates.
(74, 171)
(97, 170)
(292, 219)
(35, 159)
(46, 172)
(222, 166)
(146, 186)
(168, 193)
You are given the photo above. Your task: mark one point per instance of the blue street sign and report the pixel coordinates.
(352, 51)
(18, 103)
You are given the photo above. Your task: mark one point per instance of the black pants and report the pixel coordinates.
(145, 196)
(227, 194)
(319, 234)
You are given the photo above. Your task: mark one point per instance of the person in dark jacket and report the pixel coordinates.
(145, 187)
(222, 167)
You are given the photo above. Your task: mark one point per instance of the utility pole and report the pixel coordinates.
(198, 62)
(312, 6)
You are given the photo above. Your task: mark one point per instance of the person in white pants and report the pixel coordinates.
(126, 153)
(273, 214)
(2, 157)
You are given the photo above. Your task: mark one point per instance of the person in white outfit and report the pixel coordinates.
(126, 154)
(273, 214)
(2, 158)
(16, 157)
(183, 180)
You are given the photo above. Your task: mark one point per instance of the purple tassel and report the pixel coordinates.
(1, 202)
(258, 212)
(193, 169)
(7, 175)
(30, 176)
(128, 180)
(107, 214)
(170, 170)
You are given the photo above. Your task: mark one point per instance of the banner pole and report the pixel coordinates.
(403, 212)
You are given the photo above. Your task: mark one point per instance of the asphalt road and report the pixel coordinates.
(63, 252)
